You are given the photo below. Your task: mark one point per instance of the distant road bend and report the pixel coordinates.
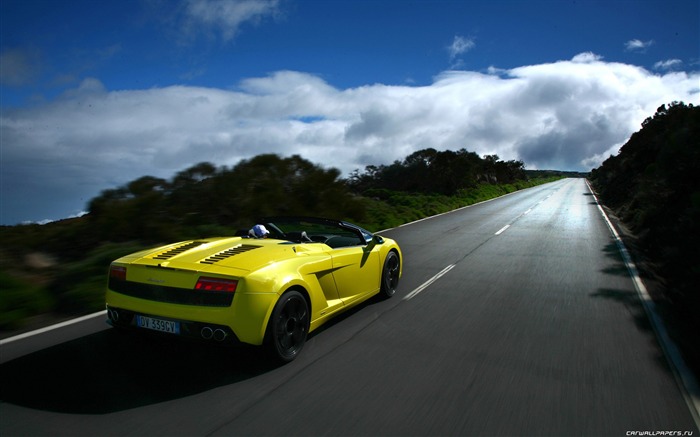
(515, 316)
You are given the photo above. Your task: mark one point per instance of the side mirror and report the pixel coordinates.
(376, 239)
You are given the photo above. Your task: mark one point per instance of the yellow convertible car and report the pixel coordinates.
(270, 286)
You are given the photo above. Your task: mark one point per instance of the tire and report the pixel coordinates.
(390, 275)
(288, 327)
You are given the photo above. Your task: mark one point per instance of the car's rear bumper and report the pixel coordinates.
(243, 321)
(121, 318)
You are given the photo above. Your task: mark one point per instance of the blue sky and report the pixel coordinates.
(97, 93)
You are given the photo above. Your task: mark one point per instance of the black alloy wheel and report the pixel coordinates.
(390, 275)
(288, 327)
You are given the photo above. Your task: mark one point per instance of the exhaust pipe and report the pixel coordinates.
(219, 335)
(207, 333)
(113, 315)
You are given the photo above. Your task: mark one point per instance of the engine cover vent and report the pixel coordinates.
(178, 250)
(242, 248)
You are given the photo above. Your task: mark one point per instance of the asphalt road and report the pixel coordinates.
(514, 317)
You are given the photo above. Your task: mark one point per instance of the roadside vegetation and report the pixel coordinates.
(60, 268)
(653, 187)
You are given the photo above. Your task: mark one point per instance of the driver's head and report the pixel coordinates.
(260, 231)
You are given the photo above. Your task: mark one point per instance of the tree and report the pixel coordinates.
(654, 186)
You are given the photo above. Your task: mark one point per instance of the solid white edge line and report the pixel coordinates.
(427, 283)
(685, 379)
(52, 327)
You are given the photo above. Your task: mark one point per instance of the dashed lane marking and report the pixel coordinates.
(427, 283)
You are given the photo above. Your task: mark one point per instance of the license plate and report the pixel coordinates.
(168, 326)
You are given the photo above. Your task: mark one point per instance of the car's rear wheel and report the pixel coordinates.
(390, 275)
(288, 326)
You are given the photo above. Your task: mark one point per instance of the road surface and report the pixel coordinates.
(513, 317)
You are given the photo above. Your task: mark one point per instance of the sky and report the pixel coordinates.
(97, 93)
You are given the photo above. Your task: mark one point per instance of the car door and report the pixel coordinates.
(356, 270)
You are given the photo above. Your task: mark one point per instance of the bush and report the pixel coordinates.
(19, 300)
(80, 286)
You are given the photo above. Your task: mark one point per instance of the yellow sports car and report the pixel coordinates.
(270, 286)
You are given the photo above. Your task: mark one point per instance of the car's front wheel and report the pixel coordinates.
(288, 326)
(390, 275)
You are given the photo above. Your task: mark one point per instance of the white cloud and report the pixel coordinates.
(226, 16)
(637, 45)
(459, 46)
(668, 64)
(565, 115)
(586, 58)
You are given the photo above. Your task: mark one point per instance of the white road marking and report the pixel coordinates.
(503, 229)
(52, 327)
(500, 231)
(427, 283)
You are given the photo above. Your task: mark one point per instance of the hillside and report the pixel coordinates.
(653, 186)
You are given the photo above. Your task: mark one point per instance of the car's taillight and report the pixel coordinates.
(216, 284)
(117, 272)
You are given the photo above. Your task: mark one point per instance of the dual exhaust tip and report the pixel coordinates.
(208, 333)
(113, 315)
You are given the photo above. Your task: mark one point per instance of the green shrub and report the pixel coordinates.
(20, 299)
(79, 287)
